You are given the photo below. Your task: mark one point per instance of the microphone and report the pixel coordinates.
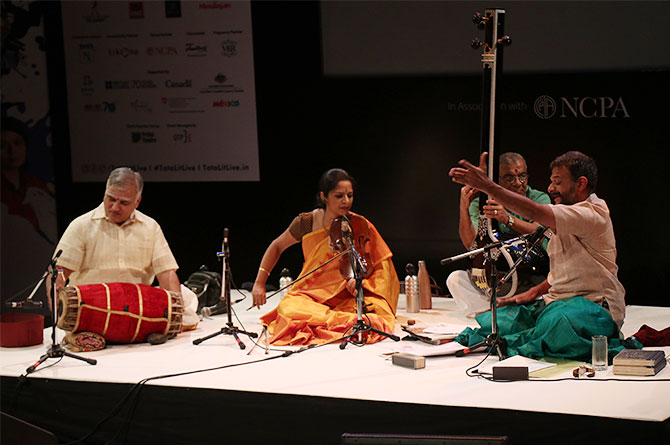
(218, 308)
(24, 304)
(538, 234)
(210, 311)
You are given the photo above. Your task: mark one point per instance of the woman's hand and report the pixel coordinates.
(258, 294)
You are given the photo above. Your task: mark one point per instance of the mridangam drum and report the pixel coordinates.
(120, 312)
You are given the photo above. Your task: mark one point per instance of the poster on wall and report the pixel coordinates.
(164, 87)
(28, 207)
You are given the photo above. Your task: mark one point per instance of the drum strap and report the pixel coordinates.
(139, 322)
(109, 309)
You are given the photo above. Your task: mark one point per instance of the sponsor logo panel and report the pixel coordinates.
(143, 137)
(87, 86)
(181, 104)
(136, 10)
(161, 51)
(195, 50)
(104, 106)
(587, 107)
(214, 5)
(129, 84)
(123, 52)
(229, 47)
(94, 14)
(222, 103)
(86, 53)
(172, 9)
(221, 84)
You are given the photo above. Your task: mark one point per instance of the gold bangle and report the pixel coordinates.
(264, 270)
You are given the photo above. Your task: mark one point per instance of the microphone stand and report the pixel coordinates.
(230, 328)
(55, 350)
(29, 299)
(494, 341)
(360, 326)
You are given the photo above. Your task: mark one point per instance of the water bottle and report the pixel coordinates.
(425, 292)
(284, 280)
(412, 289)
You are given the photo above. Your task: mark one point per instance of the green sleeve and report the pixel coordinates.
(474, 212)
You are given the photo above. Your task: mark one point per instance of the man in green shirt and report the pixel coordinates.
(513, 175)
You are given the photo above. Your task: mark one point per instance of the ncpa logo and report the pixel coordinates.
(587, 107)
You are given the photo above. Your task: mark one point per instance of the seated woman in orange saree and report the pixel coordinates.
(322, 307)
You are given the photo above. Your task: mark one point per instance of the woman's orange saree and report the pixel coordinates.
(319, 308)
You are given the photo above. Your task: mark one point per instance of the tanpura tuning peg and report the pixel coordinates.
(476, 43)
(505, 41)
(479, 20)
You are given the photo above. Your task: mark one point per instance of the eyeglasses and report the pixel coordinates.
(510, 179)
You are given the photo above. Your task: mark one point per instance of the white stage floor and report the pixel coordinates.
(362, 373)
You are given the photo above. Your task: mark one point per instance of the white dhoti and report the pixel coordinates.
(469, 298)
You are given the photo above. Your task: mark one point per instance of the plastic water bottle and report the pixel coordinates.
(412, 289)
(284, 280)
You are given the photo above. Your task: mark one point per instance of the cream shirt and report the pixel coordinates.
(100, 251)
(583, 256)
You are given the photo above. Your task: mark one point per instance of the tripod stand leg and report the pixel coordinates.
(90, 361)
(470, 350)
(359, 328)
(197, 341)
(384, 334)
(41, 360)
(237, 339)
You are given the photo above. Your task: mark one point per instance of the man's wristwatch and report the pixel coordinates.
(510, 220)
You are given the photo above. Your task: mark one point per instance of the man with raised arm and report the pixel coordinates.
(582, 295)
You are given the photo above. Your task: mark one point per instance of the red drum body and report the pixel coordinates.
(120, 312)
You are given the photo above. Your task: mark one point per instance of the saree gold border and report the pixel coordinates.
(139, 320)
(79, 307)
(109, 309)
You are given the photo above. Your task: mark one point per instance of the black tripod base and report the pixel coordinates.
(358, 329)
(228, 330)
(493, 341)
(58, 351)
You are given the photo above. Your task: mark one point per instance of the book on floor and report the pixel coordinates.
(638, 357)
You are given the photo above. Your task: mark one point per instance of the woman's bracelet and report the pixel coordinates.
(264, 270)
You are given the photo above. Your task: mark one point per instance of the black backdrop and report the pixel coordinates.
(398, 136)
